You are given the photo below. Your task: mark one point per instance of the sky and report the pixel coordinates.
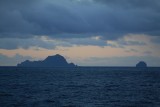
(86, 32)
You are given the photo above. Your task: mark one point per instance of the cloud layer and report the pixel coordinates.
(69, 18)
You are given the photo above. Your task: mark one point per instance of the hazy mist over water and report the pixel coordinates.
(79, 87)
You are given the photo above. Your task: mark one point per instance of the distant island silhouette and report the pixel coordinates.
(141, 64)
(59, 61)
(51, 61)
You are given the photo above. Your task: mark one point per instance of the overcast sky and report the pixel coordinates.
(86, 32)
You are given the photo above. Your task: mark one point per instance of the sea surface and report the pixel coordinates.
(79, 87)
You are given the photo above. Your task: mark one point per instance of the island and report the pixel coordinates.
(51, 61)
(141, 64)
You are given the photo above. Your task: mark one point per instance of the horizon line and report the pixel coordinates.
(85, 66)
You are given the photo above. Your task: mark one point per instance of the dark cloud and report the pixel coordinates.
(38, 18)
(47, 43)
(153, 4)
(134, 16)
(9, 43)
(122, 43)
(67, 19)
(86, 41)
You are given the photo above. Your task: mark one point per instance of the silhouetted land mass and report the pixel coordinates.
(141, 64)
(51, 61)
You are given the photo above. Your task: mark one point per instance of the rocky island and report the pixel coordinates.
(51, 61)
(141, 64)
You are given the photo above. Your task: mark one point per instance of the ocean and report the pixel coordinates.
(80, 87)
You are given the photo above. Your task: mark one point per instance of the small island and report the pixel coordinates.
(51, 61)
(141, 64)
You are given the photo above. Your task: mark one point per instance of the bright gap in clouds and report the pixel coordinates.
(92, 51)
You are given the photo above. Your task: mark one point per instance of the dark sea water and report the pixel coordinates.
(79, 87)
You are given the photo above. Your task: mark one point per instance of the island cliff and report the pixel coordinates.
(51, 61)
